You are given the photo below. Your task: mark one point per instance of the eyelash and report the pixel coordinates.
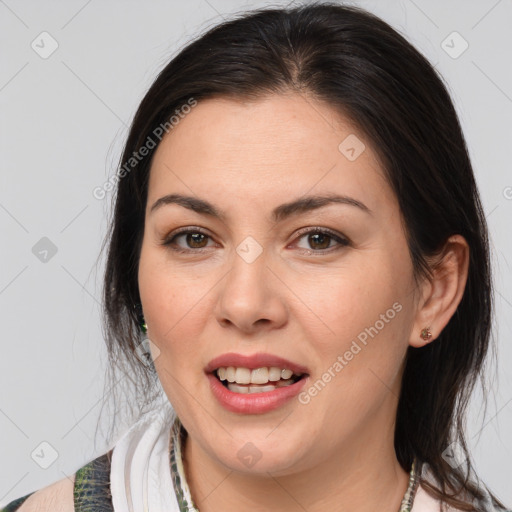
(342, 242)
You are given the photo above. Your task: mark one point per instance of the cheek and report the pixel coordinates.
(342, 304)
(174, 313)
(359, 330)
(173, 306)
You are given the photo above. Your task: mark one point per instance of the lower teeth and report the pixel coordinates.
(261, 388)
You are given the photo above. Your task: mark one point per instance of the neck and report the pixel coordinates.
(362, 474)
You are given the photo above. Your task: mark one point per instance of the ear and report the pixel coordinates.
(440, 297)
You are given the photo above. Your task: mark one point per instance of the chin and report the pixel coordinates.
(261, 454)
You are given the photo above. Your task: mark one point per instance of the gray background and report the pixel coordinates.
(63, 122)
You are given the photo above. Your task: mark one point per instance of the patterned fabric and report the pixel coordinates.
(92, 486)
(410, 493)
(178, 435)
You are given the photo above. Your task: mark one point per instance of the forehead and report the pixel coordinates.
(263, 149)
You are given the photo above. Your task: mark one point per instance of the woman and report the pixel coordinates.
(299, 261)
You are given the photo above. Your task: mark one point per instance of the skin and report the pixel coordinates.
(336, 452)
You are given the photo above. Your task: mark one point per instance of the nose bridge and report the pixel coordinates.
(248, 294)
(250, 250)
(246, 276)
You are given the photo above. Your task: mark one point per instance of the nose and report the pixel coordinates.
(252, 296)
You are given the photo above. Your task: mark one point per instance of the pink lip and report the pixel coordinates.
(253, 361)
(254, 403)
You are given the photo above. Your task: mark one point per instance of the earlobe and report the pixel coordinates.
(442, 295)
(426, 334)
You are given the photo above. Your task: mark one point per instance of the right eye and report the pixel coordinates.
(194, 238)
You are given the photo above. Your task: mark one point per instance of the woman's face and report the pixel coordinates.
(254, 278)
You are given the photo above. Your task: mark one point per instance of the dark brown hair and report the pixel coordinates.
(363, 68)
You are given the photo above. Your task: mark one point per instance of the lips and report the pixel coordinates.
(254, 361)
(254, 403)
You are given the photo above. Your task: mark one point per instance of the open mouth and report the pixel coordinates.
(258, 380)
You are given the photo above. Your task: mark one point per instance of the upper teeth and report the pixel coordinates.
(256, 376)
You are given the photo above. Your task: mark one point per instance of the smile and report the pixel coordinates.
(259, 380)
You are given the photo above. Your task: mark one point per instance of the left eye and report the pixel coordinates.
(320, 239)
(194, 237)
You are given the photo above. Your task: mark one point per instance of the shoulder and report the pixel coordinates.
(57, 497)
(88, 488)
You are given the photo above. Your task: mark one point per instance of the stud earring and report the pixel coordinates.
(426, 334)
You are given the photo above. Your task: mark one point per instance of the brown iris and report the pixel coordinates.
(194, 240)
(320, 236)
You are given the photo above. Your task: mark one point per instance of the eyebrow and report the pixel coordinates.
(281, 212)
